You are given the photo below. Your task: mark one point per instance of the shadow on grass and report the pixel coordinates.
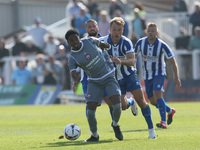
(140, 130)
(76, 143)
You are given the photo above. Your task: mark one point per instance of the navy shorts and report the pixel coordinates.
(129, 83)
(155, 84)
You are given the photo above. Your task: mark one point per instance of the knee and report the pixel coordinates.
(142, 103)
(124, 106)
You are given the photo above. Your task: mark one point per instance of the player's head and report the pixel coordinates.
(152, 31)
(116, 28)
(73, 39)
(91, 27)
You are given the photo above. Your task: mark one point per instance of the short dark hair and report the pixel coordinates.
(71, 32)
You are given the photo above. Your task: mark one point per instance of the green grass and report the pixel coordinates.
(38, 127)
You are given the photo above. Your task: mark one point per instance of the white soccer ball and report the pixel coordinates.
(72, 131)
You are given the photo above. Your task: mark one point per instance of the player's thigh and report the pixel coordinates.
(92, 105)
(107, 101)
(139, 97)
(115, 99)
(112, 87)
(124, 102)
(94, 92)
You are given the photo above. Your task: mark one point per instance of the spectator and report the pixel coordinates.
(21, 75)
(182, 41)
(103, 23)
(63, 42)
(51, 46)
(56, 68)
(38, 32)
(195, 17)
(80, 21)
(40, 71)
(19, 47)
(63, 58)
(73, 11)
(141, 11)
(179, 6)
(195, 40)
(118, 13)
(31, 49)
(138, 24)
(3, 53)
(125, 6)
(93, 9)
(114, 6)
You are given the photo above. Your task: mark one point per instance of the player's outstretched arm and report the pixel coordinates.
(176, 71)
(129, 61)
(106, 46)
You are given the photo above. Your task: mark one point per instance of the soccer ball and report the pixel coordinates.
(72, 131)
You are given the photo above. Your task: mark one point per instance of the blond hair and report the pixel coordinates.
(151, 24)
(117, 20)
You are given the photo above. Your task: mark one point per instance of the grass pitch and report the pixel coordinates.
(39, 127)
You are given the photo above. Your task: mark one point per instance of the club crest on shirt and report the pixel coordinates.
(88, 96)
(88, 57)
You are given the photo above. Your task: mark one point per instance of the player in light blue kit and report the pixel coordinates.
(122, 54)
(87, 55)
(153, 51)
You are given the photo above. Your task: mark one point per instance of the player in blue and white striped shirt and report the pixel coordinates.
(153, 51)
(122, 54)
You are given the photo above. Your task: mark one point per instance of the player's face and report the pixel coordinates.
(74, 42)
(92, 29)
(116, 32)
(151, 33)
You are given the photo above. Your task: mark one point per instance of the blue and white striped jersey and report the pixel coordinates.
(153, 56)
(120, 50)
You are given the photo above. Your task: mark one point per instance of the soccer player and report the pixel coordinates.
(153, 51)
(87, 55)
(92, 30)
(122, 54)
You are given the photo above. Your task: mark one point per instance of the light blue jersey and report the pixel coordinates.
(153, 57)
(120, 50)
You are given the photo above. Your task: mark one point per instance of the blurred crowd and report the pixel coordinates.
(52, 52)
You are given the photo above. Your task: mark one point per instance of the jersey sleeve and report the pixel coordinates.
(167, 51)
(128, 46)
(72, 63)
(137, 47)
(94, 40)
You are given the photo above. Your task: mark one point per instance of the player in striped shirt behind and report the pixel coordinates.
(153, 51)
(92, 30)
(122, 54)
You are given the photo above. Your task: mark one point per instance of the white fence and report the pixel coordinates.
(10, 64)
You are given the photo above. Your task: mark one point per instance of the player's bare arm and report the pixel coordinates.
(176, 71)
(75, 78)
(129, 61)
